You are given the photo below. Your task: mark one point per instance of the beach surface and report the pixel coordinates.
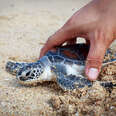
(25, 25)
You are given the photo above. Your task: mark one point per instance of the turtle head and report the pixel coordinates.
(13, 67)
(30, 74)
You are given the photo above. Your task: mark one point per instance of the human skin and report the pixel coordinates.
(96, 23)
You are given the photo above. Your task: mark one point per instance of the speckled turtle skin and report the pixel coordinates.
(65, 66)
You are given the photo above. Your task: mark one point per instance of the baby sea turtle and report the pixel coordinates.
(65, 66)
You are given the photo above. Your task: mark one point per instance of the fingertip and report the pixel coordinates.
(41, 53)
(93, 67)
(40, 56)
(92, 74)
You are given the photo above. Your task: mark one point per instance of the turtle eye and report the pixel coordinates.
(22, 78)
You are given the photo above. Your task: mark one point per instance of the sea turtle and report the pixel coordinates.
(65, 66)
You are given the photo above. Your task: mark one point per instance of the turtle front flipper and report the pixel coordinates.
(14, 67)
(71, 82)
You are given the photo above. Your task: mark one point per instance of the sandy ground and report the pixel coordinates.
(24, 26)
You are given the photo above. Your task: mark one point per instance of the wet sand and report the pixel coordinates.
(25, 25)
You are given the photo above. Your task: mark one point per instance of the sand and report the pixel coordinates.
(25, 25)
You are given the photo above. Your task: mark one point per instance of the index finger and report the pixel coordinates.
(55, 40)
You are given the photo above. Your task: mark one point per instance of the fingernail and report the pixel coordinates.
(93, 73)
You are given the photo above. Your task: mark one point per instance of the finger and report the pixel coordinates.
(53, 41)
(67, 32)
(95, 57)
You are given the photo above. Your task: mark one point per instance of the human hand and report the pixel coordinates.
(96, 23)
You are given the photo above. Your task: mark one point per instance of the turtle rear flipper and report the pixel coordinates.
(71, 82)
(110, 84)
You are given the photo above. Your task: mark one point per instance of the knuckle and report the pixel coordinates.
(101, 36)
(95, 63)
(48, 41)
(51, 42)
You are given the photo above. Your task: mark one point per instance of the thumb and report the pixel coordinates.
(94, 59)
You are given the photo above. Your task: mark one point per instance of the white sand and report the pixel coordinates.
(24, 25)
